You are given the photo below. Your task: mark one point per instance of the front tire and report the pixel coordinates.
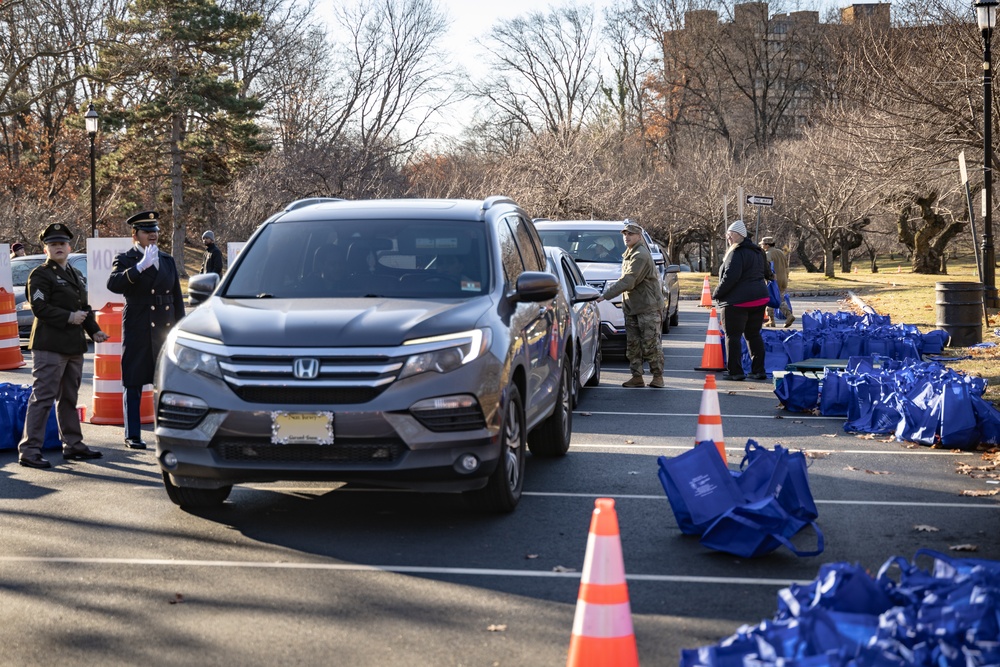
(675, 318)
(192, 498)
(503, 488)
(552, 436)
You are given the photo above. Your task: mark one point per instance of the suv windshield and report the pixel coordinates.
(415, 259)
(588, 246)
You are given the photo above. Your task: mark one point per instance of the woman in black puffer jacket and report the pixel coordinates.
(742, 297)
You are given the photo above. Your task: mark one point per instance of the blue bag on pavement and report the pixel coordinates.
(757, 529)
(835, 395)
(699, 487)
(798, 393)
(958, 419)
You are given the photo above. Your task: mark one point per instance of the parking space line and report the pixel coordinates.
(396, 569)
(872, 503)
(695, 414)
(906, 452)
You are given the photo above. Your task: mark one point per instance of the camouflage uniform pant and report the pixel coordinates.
(643, 343)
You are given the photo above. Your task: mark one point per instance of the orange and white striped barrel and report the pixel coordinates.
(108, 388)
(10, 340)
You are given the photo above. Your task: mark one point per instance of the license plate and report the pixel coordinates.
(302, 428)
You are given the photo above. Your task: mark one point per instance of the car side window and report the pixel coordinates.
(573, 273)
(510, 257)
(528, 242)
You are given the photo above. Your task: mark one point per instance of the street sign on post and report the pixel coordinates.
(756, 200)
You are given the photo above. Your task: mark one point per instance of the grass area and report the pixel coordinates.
(907, 297)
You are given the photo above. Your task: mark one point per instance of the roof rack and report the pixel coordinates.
(493, 200)
(310, 201)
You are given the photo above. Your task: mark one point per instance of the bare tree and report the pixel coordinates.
(544, 70)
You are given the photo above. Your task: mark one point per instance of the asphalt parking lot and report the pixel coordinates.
(98, 567)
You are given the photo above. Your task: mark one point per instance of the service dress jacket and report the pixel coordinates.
(55, 292)
(153, 305)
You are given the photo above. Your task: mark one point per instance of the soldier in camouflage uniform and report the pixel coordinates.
(642, 304)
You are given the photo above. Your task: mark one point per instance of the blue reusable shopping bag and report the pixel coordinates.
(958, 419)
(773, 294)
(699, 487)
(757, 529)
(798, 393)
(835, 395)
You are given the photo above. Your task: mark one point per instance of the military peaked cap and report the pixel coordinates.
(147, 221)
(55, 233)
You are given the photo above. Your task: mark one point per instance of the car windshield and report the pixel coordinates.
(407, 259)
(20, 268)
(587, 246)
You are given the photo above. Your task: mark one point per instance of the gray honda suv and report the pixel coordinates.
(403, 343)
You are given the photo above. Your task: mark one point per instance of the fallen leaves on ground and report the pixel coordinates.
(530, 556)
(870, 472)
(630, 442)
(866, 436)
(963, 547)
(978, 494)
(829, 435)
(560, 568)
(178, 599)
(925, 529)
(499, 627)
(809, 454)
(584, 414)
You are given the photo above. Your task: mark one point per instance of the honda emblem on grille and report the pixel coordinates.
(306, 369)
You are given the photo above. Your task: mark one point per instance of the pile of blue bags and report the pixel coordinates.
(915, 401)
(947, 616)
(843, 335)
(13, 407)
(748, 513)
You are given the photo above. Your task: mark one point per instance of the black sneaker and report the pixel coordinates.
(758, 376)
(135, 443)
(734, 378)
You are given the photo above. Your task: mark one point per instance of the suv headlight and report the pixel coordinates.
(464, 348)
(191, 360)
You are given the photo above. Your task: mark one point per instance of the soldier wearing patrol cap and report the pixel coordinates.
(642, 305)
(58, 296)
(151, 284)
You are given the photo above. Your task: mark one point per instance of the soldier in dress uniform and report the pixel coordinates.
(58, 296)
(151, 284)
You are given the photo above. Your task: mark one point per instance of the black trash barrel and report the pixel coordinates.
(959, 309)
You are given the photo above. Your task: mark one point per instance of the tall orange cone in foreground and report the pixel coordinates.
(710, 417)
(711, 356)
(602, 627)
(706, 294)
(10, 339)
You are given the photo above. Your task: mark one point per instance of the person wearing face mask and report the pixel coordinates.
(150, 283)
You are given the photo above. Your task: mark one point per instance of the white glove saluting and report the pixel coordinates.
(148, 257)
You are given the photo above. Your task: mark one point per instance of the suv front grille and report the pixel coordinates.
(307, 395)
(386, 451)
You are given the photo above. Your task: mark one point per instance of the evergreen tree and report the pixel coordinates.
(185, 121)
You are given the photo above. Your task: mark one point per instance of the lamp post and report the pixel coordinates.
(91, 118)
(986, 17)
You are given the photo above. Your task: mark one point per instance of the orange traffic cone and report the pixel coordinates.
(108, 390)
(10, 339)
(710, 418)
(602, 627)
(711, 356)
(706, 294)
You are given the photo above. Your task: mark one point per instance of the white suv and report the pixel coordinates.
(597, 246)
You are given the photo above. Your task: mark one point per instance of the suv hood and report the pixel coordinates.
(321, 322)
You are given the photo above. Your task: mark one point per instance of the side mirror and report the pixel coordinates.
(585, 293)
(535, 286)
(201, 286)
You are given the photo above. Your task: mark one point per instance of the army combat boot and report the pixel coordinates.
(657, 381)
(636, 381)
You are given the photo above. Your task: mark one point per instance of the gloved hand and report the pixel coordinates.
(148, 255)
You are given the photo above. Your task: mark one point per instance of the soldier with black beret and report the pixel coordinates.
(58, 296)
(150, 282)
